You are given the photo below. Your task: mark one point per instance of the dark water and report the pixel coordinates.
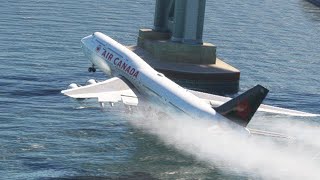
(44, 135)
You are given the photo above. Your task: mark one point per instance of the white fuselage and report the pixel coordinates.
(116, 60)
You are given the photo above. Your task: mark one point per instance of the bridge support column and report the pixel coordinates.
(175, 47)
(161, 15)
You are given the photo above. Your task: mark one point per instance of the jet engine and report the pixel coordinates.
(73, 85)
(91, 81)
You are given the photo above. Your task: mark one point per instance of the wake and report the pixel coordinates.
(265, 157)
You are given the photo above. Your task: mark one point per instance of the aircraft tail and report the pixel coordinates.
(241, 109)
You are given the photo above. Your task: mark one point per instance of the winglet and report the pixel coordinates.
(241, 109)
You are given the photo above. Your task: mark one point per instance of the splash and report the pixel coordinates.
(264, 157)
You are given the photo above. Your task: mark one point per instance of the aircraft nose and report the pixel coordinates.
(86, 40)
(87, 46)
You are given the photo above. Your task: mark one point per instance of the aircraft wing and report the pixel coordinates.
(111, 90)
(216, 101)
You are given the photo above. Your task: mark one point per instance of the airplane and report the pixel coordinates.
(135, 83)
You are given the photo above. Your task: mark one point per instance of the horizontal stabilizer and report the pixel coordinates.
(284, 111)
(269, 134)
(241, 109)
(215, 101)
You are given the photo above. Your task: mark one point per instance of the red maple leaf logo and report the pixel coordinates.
(243, 109)
(98, 48)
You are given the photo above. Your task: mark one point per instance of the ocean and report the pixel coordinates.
(45, 135)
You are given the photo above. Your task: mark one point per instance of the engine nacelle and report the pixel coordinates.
(73, 85)
(91, 81)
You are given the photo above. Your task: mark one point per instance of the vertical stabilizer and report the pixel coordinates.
(241, 109)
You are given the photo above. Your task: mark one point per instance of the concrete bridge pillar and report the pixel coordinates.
(161, 15)
(178, 21)
(174, 46)
(188, 21)
(194, 19)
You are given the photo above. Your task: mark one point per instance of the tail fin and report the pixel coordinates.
(241, 109)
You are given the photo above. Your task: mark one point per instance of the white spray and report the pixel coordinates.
(263, 157)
